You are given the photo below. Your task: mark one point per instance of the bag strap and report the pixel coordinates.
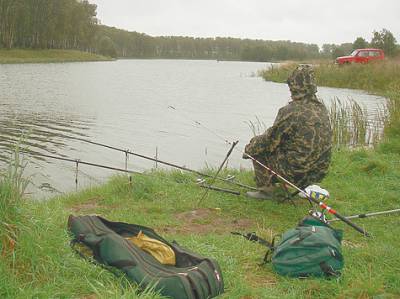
(254, 238)
(328, 270)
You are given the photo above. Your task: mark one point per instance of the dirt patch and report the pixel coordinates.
(204, 221)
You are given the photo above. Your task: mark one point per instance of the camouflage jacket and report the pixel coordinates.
(301, 137)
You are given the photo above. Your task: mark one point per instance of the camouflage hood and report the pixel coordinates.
(302, 82)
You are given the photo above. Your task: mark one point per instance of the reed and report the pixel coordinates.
(352, 126)
(12, 188)
(257, 127)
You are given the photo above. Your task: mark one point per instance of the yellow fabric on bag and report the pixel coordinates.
(160, 251)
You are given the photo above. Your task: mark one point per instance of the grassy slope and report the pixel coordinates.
(44, 56)
(43, 265)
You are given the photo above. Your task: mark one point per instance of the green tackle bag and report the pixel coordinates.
(108, 243)
(311, 249)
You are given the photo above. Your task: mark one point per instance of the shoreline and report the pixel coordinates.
(28, 56)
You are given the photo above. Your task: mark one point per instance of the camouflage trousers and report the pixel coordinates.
(265, 180)
(302, 178)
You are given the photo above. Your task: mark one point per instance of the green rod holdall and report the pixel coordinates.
(311, 249)
(192, 276)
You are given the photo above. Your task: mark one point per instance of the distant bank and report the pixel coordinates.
(47, 56)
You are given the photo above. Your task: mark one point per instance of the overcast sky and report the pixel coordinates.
(311, 21)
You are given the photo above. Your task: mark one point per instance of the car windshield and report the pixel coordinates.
(354, 53)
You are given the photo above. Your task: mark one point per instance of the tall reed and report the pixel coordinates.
(257, 127)
(12, 188)
(353, 126)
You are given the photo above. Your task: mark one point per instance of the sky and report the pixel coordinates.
(310, 21)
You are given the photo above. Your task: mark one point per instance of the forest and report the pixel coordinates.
(72, 24)
(48, 24)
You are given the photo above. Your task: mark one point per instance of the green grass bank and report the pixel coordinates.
(37, 262)
(42, 264)
(14, 56)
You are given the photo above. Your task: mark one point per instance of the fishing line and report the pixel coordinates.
(201, 125)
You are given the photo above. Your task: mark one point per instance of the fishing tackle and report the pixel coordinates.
(366, 215)
(308, 196)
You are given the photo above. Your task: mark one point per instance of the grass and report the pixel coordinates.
(377, 77)
(43, 265)
(12, 187)
(46, 56)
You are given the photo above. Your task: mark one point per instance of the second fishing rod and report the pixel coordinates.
(127, 152)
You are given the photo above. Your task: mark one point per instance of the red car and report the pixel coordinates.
(361, 56)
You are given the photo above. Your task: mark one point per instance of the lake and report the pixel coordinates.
(184, 110)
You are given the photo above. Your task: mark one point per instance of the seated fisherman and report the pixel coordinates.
(298, 145)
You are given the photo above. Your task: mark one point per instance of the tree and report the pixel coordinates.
(341, 50)
(327, 50)
(106, 47)
(360, 43)
(384, 40)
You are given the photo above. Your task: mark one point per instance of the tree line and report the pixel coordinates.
(72, 24)
(47, 24)
(123, 43)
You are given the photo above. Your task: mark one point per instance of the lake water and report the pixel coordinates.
(127, 104)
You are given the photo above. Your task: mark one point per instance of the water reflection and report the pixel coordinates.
(39, 132)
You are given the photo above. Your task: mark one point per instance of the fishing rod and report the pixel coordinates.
(128, 152)
(78, 161)
(201, 183)
(365, 215)
(321, 204)
(219, 169)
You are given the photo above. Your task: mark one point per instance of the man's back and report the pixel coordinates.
(298, 145)
(306, 148)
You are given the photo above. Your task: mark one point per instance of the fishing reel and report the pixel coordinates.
(319, 194)
(319, 215)
(315, 192)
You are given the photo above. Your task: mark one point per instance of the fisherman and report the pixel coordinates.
(298, 145)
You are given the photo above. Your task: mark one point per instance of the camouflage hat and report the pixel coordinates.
(302, 82)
